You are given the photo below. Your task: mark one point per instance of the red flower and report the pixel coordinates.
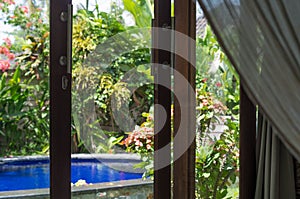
(4, 50)
(24, 9)
(10, 56)
(218, 84)
(4, 65)
(9, 2)
(7, 42)
(28, 25)
(138, 143)
(148, 147)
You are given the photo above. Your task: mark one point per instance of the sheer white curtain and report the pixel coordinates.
(267, 34)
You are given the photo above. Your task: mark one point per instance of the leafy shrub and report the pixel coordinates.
(217, 160)
(217, 164)
(91, 29)
(20, 122)
(24, 88)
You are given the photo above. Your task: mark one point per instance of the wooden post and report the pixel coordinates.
(60, 104)
(184, 109)
(247, 146)
(162, 95)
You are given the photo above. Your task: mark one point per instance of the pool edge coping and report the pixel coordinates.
(100, 157)
(80, 189)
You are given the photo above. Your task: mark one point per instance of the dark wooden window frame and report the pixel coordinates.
(247, 183)
(162, 96)
(185, 114)
(60, 103)
(183, 172)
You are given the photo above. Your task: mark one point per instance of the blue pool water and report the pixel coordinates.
(33, 175)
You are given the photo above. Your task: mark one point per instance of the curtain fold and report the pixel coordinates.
(261, 39)
(275, 168)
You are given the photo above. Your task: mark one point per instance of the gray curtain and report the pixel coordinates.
(262, 40)
(267, 34)
(275, 168)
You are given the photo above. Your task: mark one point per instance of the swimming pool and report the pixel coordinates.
(33, 174)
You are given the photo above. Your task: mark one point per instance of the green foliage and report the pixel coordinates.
(216, 159)
(207, 108)
(12, 102)
(21, 124)
(25, 93)
(141, 10)
(91, 29)
(214, 67)
(217, 164)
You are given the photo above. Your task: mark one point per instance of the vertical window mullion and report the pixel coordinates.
(184, 106)
(60, 103)
(162, 95)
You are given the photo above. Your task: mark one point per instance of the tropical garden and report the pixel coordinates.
(24, 91)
